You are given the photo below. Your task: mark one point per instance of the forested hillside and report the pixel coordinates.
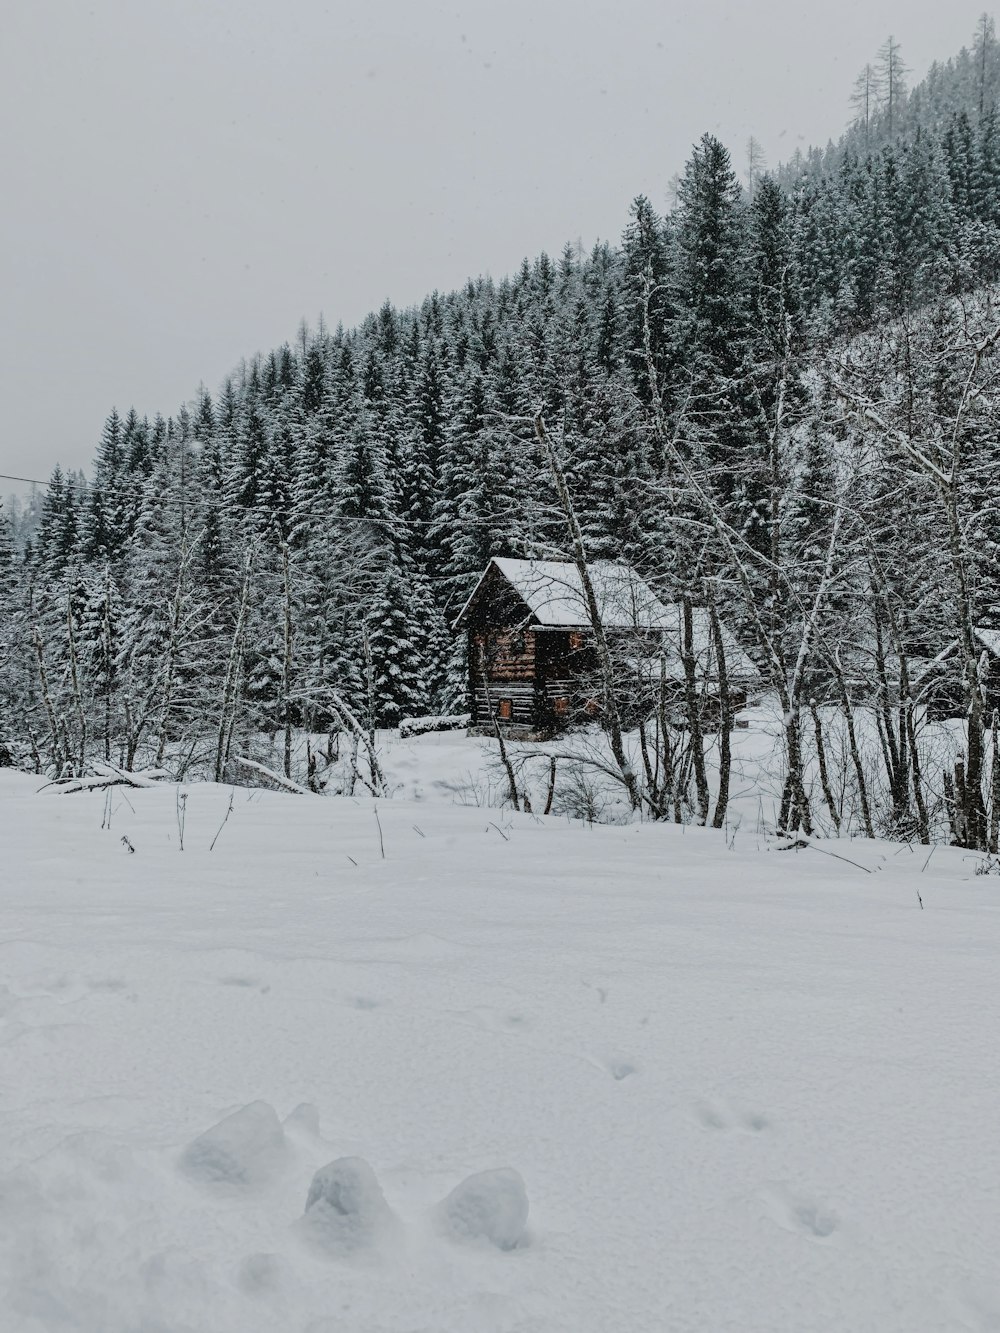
(781, 396)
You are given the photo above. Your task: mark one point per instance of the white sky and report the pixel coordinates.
(183, 180)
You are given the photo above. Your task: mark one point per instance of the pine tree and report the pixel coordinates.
(361, 487)
(925, 223)
(646, 267)
(103, 650)
(248, 458)
(56, 545)
(712, 291)
(397, 657)
(110, 507)
(8, 557)
(711, 278)
(10, 686)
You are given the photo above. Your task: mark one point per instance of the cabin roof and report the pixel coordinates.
(923, 668)
(740, 669)
(553, 592)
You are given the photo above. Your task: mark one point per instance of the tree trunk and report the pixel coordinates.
(725, 713)
(693, 710)
(995, 786)
(852, 741)
(286, 661)
(504, 757)
(234, 669)
(824, 775)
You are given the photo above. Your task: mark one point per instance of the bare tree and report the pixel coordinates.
(612, 714)
(984, 48)
(786, 673)
(867, 96)
(930, 428)
(756, 165)
(892, 83)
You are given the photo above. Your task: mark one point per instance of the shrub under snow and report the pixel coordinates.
(242, 1149)
(345, 1208)
(490, 1205)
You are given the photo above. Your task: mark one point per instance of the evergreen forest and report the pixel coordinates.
(779, 396)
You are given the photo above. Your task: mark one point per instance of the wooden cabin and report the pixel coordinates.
(532, 662)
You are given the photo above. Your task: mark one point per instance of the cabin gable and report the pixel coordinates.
(501, 647)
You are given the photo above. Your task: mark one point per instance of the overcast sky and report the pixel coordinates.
(183, 180)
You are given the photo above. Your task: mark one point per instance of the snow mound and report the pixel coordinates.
(345, 1208)
(305, 1119)
(243, 1149)
(490, 1205)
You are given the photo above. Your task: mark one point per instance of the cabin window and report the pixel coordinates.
(518, 645)
(592, 707)
(576, 640)
(560, 707)
(505, 710)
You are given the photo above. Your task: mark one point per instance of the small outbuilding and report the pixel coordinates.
(532, 660)
(937, 681)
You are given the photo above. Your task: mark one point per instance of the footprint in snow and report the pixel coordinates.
(600, 991)
(493, 1020)
(618, 1066)
(709, 1117)
(800, 1214)
(714, 1117)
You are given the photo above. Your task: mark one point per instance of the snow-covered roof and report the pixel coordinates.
(739, 667)
(921, 668)
(553, 592)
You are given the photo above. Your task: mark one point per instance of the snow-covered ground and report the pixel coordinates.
(739, 1088)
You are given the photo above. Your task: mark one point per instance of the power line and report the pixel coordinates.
(32, 481)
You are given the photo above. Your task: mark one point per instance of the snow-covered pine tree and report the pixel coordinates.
(396, 652)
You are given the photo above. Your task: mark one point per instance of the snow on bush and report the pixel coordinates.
(243, 1149)
(345, 1208)
(419, 726)
(490, 1205)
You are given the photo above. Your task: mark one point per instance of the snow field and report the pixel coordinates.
(291, 1084)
